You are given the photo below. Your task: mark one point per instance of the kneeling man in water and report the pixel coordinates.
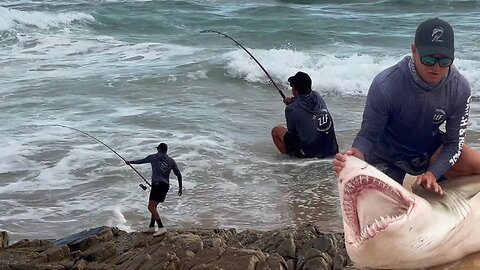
(310, 131)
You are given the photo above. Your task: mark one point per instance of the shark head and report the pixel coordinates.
(389, 226)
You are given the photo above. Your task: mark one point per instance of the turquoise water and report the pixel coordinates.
(134, 73)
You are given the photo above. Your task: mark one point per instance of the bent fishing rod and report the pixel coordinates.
(85, 133)
(253, 57)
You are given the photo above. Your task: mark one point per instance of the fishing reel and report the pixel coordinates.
(143, 186)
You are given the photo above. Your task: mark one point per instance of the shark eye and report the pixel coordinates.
(365, 167)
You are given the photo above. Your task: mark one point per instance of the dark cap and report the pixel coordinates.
(301, 81)
(435, 36)
(162, 147)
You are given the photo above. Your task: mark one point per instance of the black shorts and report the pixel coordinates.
(293, 146)
(159, 191)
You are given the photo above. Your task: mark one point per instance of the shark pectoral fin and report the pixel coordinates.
(416, 188)
(422, 191)
(467, 186)
(409, 182)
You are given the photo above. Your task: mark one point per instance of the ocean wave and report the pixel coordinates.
(15, 20)
(331, 74)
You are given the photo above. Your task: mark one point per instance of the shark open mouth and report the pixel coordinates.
(370, 206)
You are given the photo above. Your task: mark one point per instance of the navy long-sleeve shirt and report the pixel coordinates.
(162, 165)
(403, 116)
(310, 122)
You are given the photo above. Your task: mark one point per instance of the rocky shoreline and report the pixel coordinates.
(301, 248)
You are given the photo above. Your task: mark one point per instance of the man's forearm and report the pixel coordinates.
(179, 181)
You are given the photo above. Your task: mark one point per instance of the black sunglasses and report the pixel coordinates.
(430, 60)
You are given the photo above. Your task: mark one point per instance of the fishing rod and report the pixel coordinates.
(253, 57)
(85, 133)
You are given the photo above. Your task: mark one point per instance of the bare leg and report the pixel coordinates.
(467, 164)
(278, 133)
(152, 207)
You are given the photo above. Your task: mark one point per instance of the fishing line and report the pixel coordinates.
(85, 133)
(253, 57)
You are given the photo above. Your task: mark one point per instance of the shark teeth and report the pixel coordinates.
(352, 186)
(378, 225)
(353, 190)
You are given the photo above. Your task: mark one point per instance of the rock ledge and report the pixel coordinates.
(301, 248)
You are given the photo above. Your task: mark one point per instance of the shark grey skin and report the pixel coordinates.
(390, 227)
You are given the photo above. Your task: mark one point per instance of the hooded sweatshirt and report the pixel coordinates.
(309, 121)
(404, 117)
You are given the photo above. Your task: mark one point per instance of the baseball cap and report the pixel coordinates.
(162, 146)
(301, 80)
(435, 36)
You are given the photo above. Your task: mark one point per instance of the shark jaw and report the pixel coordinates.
(370, 206)
(423, 228)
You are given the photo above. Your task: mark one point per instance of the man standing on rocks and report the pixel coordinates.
(162, 165)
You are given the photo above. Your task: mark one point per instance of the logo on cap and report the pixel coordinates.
(437, 34)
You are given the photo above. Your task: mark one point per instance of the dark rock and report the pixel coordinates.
(105, 235)
(291, 264)
(262, 265)
(53, 254)
(85, 244)
(339, 261)
(22, 266)
(214, 242)
(287, 248)
(79, 265)
(5, 267)
(99, 253)
(105, 248)
(276, 262)
(136, 261)
(49, 267)
(161, 260)
(314, 253)
(188, 241)
(325, 243)
(316, 263)
(4, 239)
(205, 257)
(32, 244)
(238, 259)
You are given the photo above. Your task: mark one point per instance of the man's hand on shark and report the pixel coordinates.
(340, 158)
(429, 181)
(339, 163)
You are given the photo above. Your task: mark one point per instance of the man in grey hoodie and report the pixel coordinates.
(416, 114)
(162, 165)
(310, 131)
